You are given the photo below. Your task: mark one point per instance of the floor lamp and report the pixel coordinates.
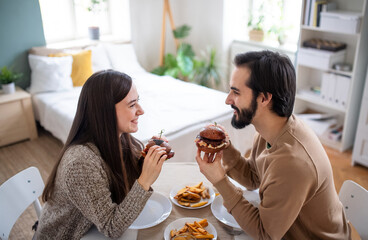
(167, 10)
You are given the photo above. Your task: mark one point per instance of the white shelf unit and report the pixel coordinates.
(356, 55)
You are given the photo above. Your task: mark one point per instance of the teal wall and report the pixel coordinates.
(20, 29)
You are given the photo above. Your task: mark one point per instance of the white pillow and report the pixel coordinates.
(100, 60)
(123, 58)
(50, 74)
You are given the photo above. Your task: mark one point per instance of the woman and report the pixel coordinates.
(100, 177)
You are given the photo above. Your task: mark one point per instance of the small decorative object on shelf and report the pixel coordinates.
(335, 134)
(324, 44)
(7, 79)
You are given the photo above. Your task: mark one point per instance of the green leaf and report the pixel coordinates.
(160, 70)
(186, 50)
(173, 72)
(181, 32)
(8, 76)
(170, 61)
(185, 64)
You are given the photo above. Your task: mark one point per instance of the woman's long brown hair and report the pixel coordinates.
(96, 122)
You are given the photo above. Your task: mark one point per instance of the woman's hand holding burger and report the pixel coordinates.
(152, 165)
(155, 153)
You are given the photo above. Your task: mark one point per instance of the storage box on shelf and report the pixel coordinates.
(340, 91)
(341, 21)
(320, 59)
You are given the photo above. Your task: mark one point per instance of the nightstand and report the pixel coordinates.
(16, 117)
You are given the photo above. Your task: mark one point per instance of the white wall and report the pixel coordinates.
(205, 17)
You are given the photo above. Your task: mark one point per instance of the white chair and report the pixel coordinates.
(16, 194)
(355, 200)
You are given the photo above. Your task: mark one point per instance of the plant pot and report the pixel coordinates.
(256, 35)
(94, 33)
(8, 88)
(281, 39)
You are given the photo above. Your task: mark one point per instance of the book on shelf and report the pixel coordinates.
(313, 9)
(317, 8)
(307, 12)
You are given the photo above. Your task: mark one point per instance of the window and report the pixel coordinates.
(65, 20)
(278, 16)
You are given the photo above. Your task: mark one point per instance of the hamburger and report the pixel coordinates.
(160, 141)
(211, 139)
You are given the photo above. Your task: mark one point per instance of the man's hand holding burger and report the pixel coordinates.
(213, 171)
(212, 139)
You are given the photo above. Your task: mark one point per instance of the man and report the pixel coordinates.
(287, 163)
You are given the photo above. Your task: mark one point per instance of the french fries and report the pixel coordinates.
(196, 230)
(191, 196)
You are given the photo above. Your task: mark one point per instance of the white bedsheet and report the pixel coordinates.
(178, 107)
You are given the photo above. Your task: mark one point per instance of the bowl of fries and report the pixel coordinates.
(192, 195)
(190, 228)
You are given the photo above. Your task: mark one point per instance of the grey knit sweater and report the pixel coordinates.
(82, 198)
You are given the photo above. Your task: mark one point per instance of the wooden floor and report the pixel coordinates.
(43, 152)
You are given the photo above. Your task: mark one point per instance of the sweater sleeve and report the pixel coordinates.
(241, 169)
(285, 190)
(87, 187)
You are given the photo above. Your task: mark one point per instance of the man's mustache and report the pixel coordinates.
(235, 108)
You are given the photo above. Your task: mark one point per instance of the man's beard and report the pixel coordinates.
(245, 116)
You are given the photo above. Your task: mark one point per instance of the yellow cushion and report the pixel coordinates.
(82, 66)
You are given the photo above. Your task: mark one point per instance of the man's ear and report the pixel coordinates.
(265, 98)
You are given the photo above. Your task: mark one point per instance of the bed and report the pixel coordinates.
(180, 108)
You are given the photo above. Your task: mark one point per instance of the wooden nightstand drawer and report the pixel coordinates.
(16, 118)
(13, 125)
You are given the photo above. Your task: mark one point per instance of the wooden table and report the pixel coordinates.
(173, 174)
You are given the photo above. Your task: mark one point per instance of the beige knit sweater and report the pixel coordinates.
(295, 181)
(82, 198)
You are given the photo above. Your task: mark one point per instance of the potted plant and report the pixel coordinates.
(279, 32)
(186, 66)
(94, 8)
(181, 65)
(278, 28)
(256, 32)
(256, 24)
(206, 73)
(7, 79)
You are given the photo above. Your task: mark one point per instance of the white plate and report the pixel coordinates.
(221, 213)
(179, 223)
(175, 190)
(157, 209)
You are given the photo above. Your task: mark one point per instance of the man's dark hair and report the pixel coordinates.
(271, 73)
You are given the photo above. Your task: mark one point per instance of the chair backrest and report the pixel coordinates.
(355, 200)
(16, 194)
